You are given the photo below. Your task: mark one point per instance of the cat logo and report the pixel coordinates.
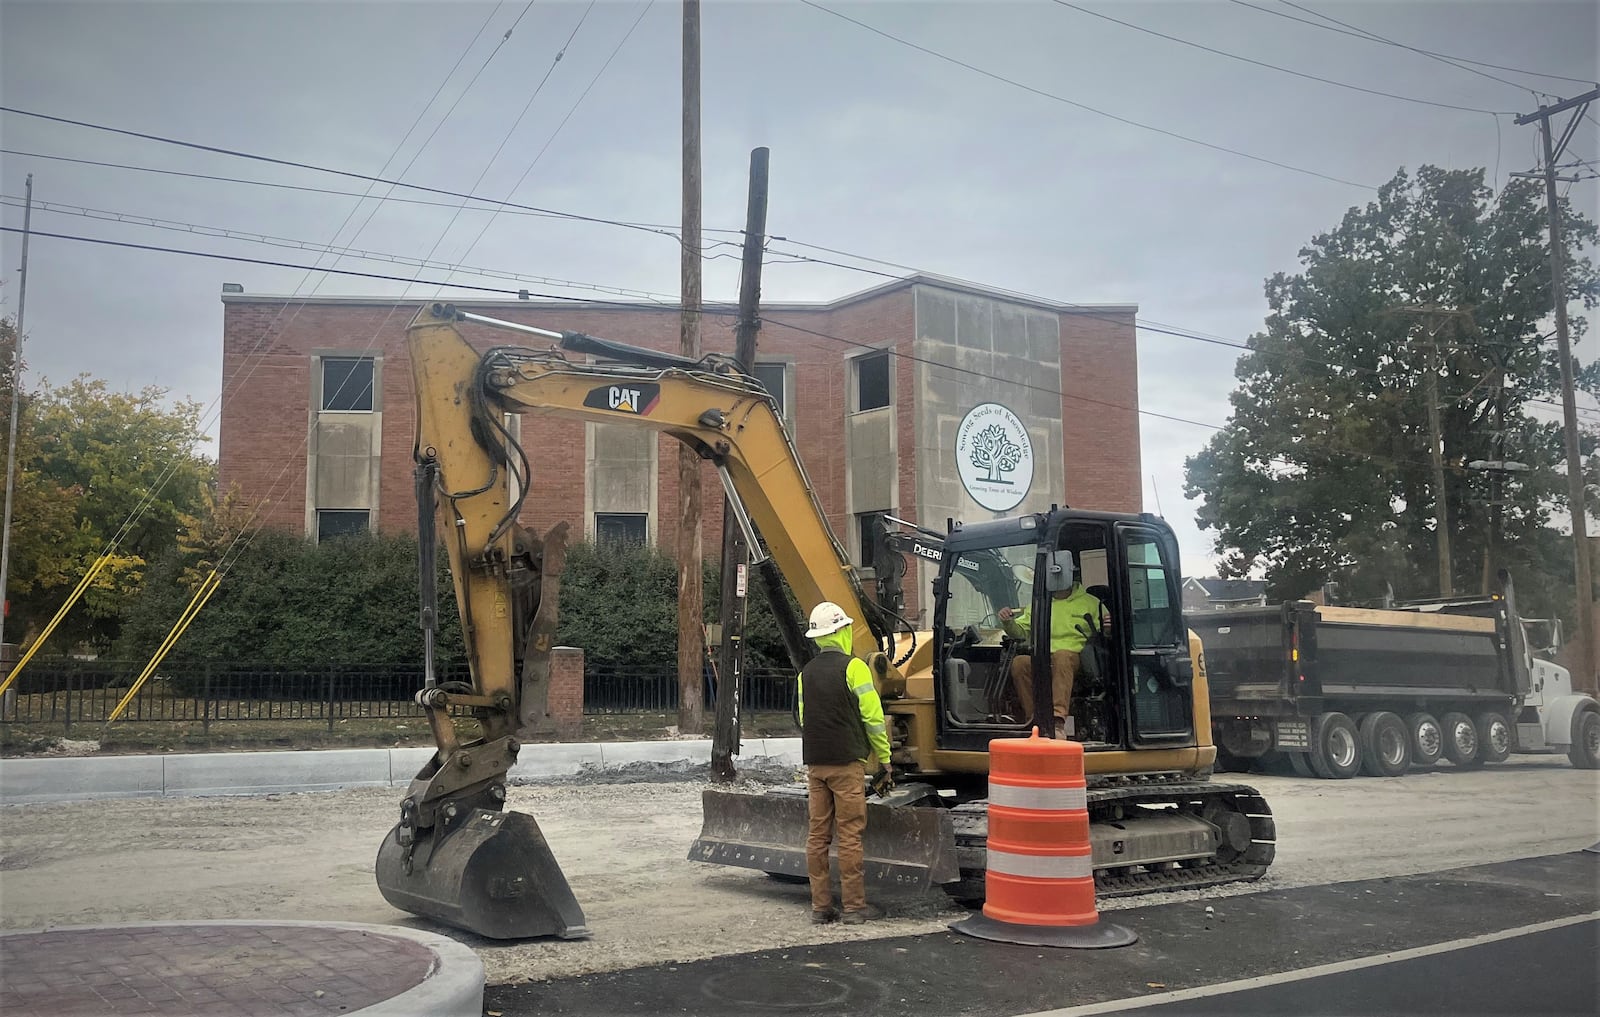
(638, 398)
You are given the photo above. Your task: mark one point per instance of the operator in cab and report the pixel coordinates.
(842, 728)
(1074, 613)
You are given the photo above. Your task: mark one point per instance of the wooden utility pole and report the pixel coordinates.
(1586, 679)
(735, 553)
(1441, 495)
(691, 595)
(16, 406)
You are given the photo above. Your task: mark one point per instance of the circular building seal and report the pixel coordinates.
(994, 457)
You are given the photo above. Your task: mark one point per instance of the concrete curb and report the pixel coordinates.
(453, 987)
(79, 778)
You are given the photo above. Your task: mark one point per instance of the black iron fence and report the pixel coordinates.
(72, 693)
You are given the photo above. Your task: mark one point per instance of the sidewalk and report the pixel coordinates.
(77, 778)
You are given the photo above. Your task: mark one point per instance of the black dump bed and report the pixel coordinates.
(1252, 668)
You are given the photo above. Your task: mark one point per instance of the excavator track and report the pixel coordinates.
(1114, 804)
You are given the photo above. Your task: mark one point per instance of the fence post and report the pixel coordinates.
(70, 683)
(205, 702)
(328, 702)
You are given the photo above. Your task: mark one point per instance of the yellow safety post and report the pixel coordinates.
(201, 595)
(78, 591)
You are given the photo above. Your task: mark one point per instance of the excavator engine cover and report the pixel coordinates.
(907, 846)
(492, 874)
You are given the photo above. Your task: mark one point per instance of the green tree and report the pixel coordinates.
(89, 461)
(1324, 469)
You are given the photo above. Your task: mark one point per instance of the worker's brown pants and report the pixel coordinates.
(838, 798)
(1063, 669)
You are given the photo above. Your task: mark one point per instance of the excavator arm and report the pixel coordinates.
(454, 855)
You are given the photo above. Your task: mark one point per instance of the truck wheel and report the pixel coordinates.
(1335, 747)
(1300, 762)
(1494, 736)
(1585, 750)
(1427, 739)
(1460, 740)
(1385, 745)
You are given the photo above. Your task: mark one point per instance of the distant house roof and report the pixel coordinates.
(1230, 589)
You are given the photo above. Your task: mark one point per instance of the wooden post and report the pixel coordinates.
(735, 554)
(691, 594)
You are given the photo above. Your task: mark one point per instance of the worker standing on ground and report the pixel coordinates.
(1075, 615)
(841, 730)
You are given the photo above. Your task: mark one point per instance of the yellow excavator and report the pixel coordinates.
(1139, 703)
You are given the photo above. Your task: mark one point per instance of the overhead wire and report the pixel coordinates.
(1355, 33)
(662, 228)
(1056, 97)
(1276, 67)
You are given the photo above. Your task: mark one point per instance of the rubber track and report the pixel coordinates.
(971, 828)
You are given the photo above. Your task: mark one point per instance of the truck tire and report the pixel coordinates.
(1335, 747)
(1300, 762)
(1385, 745)
(1585, 750)
(1427, 738)
(1460, 740)
(1495, 736)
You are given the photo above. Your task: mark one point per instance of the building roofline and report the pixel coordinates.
(859, 296)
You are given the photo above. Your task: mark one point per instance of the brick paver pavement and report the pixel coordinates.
(189, 970)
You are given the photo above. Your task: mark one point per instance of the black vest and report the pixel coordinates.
(831, 734)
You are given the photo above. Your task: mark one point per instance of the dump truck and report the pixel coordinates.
(1340, 691)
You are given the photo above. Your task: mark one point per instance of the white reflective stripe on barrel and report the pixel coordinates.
(1041, 866)
(1040, 799)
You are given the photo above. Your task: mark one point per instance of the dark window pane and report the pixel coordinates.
(333, 523)
(869, 525)
(618, 529)
(872, 381)
(771, 378)
(346, 383)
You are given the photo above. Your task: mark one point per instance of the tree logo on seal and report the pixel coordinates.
(994, 457)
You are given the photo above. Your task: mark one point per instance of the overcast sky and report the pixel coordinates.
(877, 149)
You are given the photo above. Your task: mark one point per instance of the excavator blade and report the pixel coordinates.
(909, 847)
(492, 874)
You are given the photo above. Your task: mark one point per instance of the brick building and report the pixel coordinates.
(879, 389)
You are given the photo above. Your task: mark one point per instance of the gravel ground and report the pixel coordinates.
(623, 847)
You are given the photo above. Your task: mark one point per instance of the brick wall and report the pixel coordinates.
(1099, 419)
(566, 691)
(266, 388)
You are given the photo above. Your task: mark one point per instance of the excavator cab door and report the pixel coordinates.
(1147, 607)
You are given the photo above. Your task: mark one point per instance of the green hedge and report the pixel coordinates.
(355, 600)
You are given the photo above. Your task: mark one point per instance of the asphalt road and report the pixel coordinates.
(1182, 947)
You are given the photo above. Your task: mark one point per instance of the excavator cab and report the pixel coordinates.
(1133, 684)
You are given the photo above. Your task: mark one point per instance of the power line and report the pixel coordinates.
(653, 227)
(1448, 58)
(574, 108)
(1375, 37)
(266, 239)
(328, 169)
(1082, 106)
(1276, 67)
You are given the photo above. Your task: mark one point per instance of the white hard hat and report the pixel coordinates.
(827, 617)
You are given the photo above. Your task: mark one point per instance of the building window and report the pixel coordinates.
(620, 529)
(347, 383)
(868, 527)
(334, 523)
(872, 382)
(772, 378)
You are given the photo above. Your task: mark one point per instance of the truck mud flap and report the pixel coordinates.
(907, 847)
(494, 875)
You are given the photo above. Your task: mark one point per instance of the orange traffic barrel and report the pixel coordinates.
(1039, 884)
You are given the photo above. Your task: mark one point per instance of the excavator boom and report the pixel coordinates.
(455, 856)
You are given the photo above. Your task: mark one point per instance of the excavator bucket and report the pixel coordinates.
(908, 847)
(492, 874)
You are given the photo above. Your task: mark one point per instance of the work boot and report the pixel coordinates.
(823, 917)
(870, 913)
